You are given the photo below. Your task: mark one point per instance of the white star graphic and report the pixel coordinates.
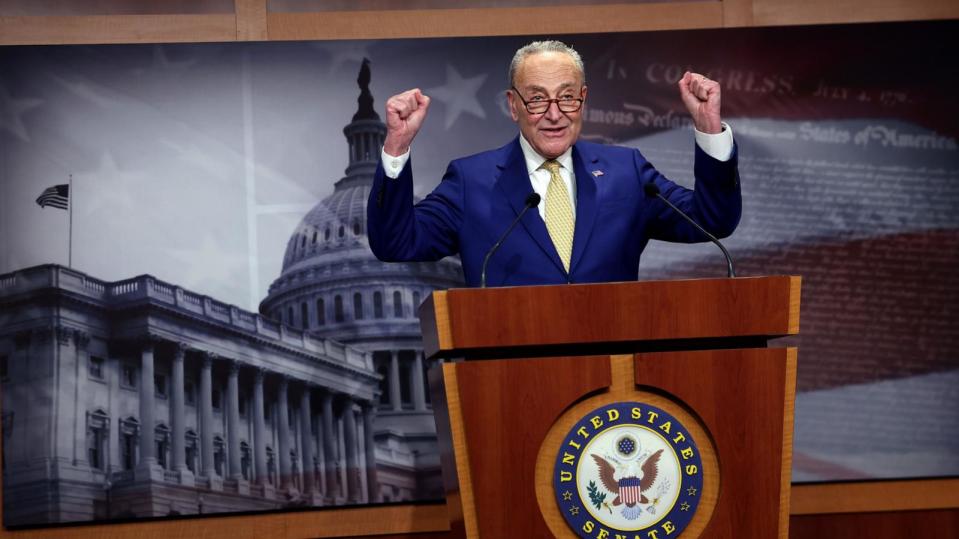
(92, 92)
(209, 266)
(282, 186)
(161, 66)
(106, 189)
(204, 159)
(502, 103)
(163, 62)
(459, 95)
(344, 53)
(11, 111)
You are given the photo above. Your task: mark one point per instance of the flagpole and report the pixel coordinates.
(71, 198)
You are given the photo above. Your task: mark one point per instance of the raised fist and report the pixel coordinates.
(405, 113)
(702, 98)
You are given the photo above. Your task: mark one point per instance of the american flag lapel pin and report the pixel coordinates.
(597, 173)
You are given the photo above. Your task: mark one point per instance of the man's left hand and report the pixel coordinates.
(701, 97)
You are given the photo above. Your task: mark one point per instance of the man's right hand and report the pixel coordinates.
(405, 113)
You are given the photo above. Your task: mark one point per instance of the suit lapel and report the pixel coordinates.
(513, 183)
(586, 205)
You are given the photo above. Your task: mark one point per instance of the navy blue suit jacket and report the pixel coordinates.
(481, 194)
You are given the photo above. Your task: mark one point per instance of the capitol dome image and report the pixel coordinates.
(332, 286)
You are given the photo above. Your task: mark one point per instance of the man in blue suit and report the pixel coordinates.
(594, 219)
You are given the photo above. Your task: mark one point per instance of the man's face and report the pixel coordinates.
(548, 75)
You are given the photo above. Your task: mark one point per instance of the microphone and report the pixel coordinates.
(532, 200)
(652, 190)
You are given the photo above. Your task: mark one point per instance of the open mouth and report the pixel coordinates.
(553, 131)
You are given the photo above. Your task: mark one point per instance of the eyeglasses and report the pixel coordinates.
(539, 105)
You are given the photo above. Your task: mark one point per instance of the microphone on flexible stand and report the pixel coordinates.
(532, 200)
(652, 191)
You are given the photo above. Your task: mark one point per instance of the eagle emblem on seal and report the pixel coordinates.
(629, 475)
(628, 469)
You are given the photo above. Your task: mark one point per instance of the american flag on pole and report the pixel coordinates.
(57, 196)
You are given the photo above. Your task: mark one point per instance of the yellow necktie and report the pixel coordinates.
(559, 213)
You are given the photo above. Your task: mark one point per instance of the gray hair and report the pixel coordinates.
(538, 47)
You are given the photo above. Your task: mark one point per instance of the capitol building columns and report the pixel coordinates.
(329, 450)
(260, 472)
(178, 416)
(419, 386)
(394, 373)
(405, 386)
(233, 427)
(147, 468)
(372, 486)
(319, 458)
(81, 340)
(283, 418)
(324, 438)
(233, 419)
(353, 488)
(206, 421)
(323, 447)
(154, 414)
(306, 441)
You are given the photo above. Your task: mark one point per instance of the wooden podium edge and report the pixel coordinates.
(464, 504)
(795, 291)
(435, 323)
(450, 329)
(875, 496)
(789, 416)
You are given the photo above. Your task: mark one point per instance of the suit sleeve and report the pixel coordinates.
(715, 202)
(400, 231)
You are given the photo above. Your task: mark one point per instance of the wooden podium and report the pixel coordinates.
(538, 359)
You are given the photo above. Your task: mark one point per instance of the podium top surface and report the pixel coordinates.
(457, 322)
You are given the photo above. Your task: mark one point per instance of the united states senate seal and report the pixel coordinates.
(628, 470)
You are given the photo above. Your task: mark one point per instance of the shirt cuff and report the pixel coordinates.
(718, 146)
(392, 166)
